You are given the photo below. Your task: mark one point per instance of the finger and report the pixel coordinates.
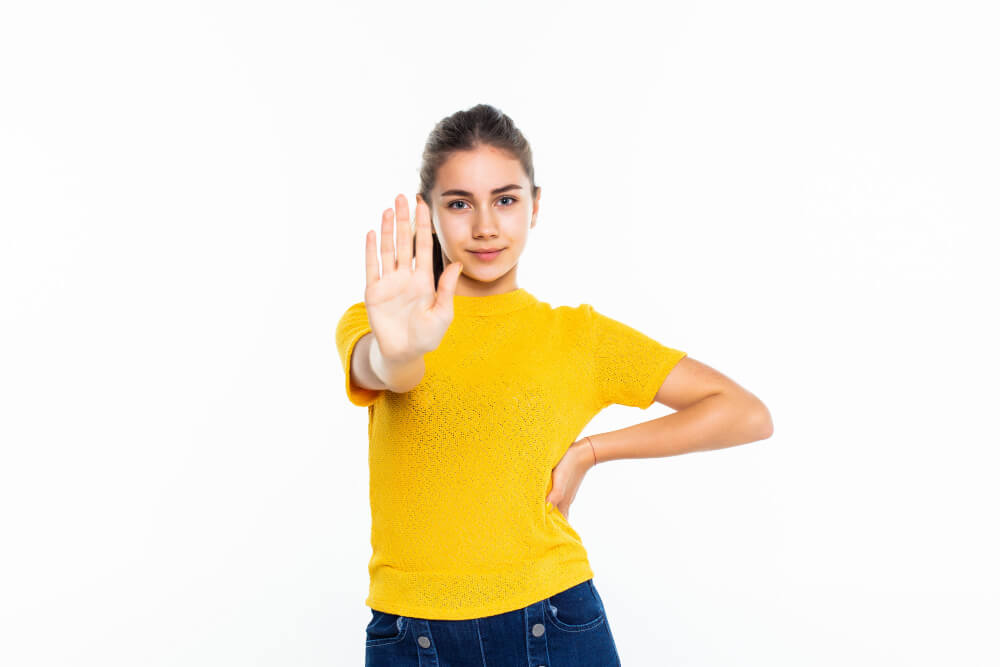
(371, 259)
(425, 244)
(404, 234)
(446, 286)
(388, 247)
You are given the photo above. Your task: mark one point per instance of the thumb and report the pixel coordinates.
(448, 282)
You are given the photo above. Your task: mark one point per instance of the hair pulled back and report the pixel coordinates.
(481, 125)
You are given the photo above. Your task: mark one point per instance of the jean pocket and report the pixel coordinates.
(576, 608)
(385, 628)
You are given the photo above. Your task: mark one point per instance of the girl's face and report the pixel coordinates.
(482, 200)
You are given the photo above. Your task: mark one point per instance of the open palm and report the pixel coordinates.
(407, 315)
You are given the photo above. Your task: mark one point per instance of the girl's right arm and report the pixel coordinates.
(400, 377)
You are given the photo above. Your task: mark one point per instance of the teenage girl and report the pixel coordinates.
(476, 393)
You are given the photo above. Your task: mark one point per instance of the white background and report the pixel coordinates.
(801, 195)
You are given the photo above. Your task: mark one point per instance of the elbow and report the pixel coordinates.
(754, 419)
(748, 420)
(761, 424)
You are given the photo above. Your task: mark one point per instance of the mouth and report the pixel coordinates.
(487, 255)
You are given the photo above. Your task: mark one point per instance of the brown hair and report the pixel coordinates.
(481, 125)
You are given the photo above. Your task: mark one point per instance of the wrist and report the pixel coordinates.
(397, 374)
(586, 452)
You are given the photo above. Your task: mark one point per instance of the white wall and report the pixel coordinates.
(801, 195)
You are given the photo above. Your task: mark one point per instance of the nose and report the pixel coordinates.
(485, 226)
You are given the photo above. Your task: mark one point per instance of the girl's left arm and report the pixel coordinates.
(712, 412)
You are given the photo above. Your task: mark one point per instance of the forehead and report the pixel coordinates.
(479, 171)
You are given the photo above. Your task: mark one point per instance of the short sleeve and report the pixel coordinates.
(629, 366)
(352, 326)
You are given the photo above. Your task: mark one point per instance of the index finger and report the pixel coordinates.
(371, 259)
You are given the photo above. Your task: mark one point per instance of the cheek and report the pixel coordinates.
(452, 241)
(446, 230)
(517, 231)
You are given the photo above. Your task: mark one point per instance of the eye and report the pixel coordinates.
(460, 201)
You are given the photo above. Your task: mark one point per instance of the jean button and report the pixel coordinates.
(538, 629)
(423, 641)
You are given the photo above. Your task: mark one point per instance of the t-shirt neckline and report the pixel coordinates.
(493, 304)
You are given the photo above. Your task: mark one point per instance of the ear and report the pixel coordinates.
(534, 207)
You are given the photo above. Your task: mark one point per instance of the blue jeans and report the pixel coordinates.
(569, 629)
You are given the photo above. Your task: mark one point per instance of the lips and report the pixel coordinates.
(485, 256)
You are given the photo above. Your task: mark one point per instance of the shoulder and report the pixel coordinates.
(581, 314)
(576, 321)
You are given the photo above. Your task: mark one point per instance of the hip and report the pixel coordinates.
(568, 628)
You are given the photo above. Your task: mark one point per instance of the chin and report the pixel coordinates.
(490, 275)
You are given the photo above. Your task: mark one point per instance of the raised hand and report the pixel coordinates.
(408, 317)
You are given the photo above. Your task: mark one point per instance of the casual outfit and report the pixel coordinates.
(460, 466)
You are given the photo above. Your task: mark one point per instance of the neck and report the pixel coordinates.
(467, 286)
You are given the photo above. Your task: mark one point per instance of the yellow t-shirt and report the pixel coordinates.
(460, 466)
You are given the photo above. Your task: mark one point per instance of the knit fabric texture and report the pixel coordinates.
(460, 465)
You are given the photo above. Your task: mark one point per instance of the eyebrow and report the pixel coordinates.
(465, 193)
